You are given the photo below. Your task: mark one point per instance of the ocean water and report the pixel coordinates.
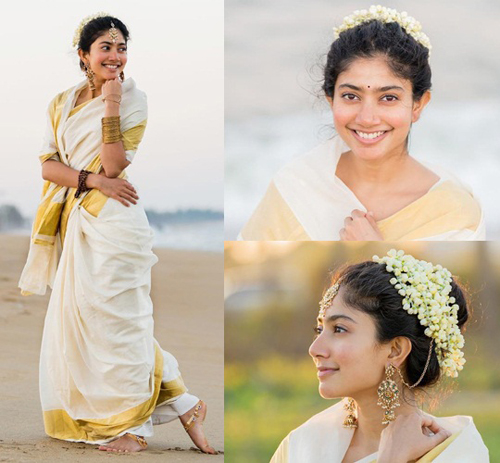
(205, 235)
(457, 135)
(195, 236)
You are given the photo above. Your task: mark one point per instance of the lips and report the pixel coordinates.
(325, 371)
(112, 66)
(369, 137)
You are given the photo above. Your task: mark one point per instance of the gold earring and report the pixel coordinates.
(388, 395)
(350, 421)
(90, 76)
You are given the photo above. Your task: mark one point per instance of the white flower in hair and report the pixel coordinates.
(83, 23)
(425, 289)
(385, 15)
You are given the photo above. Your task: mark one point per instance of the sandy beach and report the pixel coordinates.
(187, 292)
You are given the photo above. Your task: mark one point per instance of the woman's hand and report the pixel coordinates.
(409, 437)
(112, 94)
(360, 226)
(116, 188)
(112, 87)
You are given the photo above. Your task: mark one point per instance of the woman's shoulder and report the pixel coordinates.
(328, 418)
(322, 158)
(61, 97)
(454, 197)
(130, 90)
(464, 445)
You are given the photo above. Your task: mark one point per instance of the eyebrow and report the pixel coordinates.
(333, 318)
(380, 89)
(109, 43)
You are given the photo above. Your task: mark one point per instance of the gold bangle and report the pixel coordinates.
(110, 99)
(111, 132)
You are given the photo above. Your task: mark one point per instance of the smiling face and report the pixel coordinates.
(373, 109)
(106, 59)
(349, 359)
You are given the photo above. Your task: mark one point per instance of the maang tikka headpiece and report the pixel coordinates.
(327, 300)
(113, 33)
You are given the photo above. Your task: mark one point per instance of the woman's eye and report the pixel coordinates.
(349, 96)
(124, 50)
(339, 329)
(105, 47)
(317, 330)
(390, 98)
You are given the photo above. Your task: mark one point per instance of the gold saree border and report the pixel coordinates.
(60, 425)
(273, 220)
(170, 390)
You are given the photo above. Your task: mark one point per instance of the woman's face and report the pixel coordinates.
(107, 59)
(349, 360)
(373, 109)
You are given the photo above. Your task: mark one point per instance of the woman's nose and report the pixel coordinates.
(368, 114)
(317, 348)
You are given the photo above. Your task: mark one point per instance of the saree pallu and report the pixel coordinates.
(102, 373)
(307, 201)
(324, 438)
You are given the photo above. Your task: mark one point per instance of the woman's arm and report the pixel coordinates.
(116, 188)
(61, 174)
(112, 154)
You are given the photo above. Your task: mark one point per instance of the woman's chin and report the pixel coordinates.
(329, 392)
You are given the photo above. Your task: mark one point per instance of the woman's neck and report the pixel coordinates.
(374, 171)
(98, 89)
(370, 416)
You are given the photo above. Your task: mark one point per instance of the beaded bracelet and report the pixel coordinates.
(82, 183)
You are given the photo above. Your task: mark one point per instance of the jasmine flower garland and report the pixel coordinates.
(83, 23)
(385, 15)
(425, 289)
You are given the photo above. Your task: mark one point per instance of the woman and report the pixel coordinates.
(103, 377)
(363, 184)
(386, 330)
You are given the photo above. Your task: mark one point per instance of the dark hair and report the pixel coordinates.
(95, 28)
(367, 288)
(406, 57)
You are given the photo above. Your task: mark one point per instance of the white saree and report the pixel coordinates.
(323, 438)
(307, 201)
(102, 373)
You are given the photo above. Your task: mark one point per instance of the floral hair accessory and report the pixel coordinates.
(385, 15)
(83, 23)
(425, 289)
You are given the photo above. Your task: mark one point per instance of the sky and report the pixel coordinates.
(176, 56)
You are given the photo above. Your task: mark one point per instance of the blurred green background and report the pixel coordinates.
(272, 291)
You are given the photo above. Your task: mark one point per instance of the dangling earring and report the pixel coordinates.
(122, 76)
(388, 395)
(90, 77)
(350, 421)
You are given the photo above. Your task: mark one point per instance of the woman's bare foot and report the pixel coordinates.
(125, 443)
(195, 427)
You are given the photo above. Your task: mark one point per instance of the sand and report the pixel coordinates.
(189, 322)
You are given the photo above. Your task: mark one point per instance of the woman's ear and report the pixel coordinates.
(400, 349)
(330, 100)
(418, 106)
(83, 55)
